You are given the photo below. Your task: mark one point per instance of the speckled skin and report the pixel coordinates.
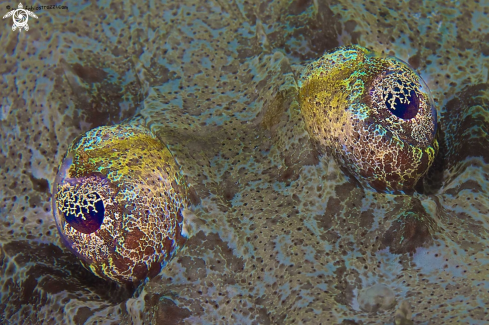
(352, 102)
(143, 195)
(278, 235)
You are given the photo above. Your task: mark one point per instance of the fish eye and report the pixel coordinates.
(83, 210)
(374, 114)
(118, 202)
(400, 98)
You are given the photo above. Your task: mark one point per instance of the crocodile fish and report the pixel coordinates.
(274, 217)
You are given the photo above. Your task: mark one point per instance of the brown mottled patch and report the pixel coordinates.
(366, 219)
(140, 271)
(408, 233)
(213, 243)
(333, 209)
(227, 189)
(471, 185)
(272, 115)
(82, 315)
(296, 7)
(195, 268)
(344, 287)
(88, 73)
(133, 237)
(164, 311)
(50, 270)
(459, 116)
(351, 322)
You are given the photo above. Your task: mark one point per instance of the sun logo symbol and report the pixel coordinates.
(20, 17)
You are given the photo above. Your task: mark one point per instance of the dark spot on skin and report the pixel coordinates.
(156, 74)
(320, 42)
(220, 258)
(89, 74)
(30, 284)
(35, 201)
(133, 238)
(351, 322)
(121, 263)
(98, 96)
(414, 61)
(192, 196)
(345, 189)
(485, 49)
(433, 46)
(227, 189)
(273, 113)
(13, 185)
(288, 174)
(39, 184)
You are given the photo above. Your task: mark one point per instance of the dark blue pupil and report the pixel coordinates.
(91, 209)
(406, 104)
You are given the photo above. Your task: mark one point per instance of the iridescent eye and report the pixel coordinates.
(118, 202)
(401, 99)
(374, 114)
(83, 210)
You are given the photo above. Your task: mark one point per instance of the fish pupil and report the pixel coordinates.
(405, 106)
(87, 218)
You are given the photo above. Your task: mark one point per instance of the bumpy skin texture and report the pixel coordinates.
(374, 114)
(118, 202)
(279, 236)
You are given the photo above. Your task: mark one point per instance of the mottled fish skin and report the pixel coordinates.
(373, 114)
(278, 233)
(118, 200)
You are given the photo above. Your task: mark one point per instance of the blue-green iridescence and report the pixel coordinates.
(118, 202)
(374, 113)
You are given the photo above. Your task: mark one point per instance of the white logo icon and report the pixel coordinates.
(20, 17)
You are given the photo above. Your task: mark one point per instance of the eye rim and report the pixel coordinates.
(108, 252)
(419, 131)
(395, 161)
(95, 182)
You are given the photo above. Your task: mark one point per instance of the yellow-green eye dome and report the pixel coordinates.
(118, 202)
(374, 113)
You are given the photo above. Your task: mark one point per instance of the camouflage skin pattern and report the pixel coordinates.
(137, 225)
(375, 114)
(277, 232)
